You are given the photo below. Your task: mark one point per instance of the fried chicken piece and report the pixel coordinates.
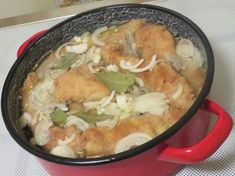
(113, 53)
(165, 79)
(154, 39)
(198, 75)
(58, 133)
(30, 81)
(124, 31)
(120, 45)
(79, 84)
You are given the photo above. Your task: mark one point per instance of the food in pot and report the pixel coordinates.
(111, 90)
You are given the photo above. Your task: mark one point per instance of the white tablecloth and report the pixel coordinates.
(215, 17)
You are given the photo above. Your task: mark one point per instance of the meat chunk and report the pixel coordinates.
(58, 133)
(124, 31)
(78, 85)
(113, 53)
(165, 79)
(120, 45)
(29, 83)
(195, 76)
(154, 39)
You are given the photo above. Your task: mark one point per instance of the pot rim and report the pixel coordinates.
(140, 149)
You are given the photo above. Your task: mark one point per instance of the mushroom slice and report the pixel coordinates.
(133, 139)
(64, 151)
(78, 122)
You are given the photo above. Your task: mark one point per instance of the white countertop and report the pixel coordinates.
(214, 17)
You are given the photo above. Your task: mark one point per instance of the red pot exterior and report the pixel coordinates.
(144, 164)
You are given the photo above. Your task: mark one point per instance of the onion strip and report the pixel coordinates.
(95, 35)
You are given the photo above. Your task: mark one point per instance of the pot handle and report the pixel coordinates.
(28, 41)
(208, 145)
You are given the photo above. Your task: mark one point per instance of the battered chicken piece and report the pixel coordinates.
(124, 31)
(154, 39)
(120, 45)
(165, 79)
(195, 76)
(58, 133)
(113, 53)
(29, 83)
(79, 84)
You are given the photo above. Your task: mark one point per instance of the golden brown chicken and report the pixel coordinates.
(79, 84)
(154, 39)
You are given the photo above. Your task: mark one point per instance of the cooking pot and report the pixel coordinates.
(186, 142)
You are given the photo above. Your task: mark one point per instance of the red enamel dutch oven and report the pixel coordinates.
(186, 142)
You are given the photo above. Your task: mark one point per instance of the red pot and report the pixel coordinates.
(186, 142)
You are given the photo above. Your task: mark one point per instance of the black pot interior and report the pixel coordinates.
(179, 25)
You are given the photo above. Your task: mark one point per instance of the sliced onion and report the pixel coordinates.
(176, 61)
(67, 140)
(91, 69)
(25, 119)
(41, 94)
(42, 132)
(57, 53)
(139, 81)
(178, 92)
(64, 151)
(77, 39)
(78, 49)
(134, 139)
(185, 48)
(128, 65)
(153, 103)
(112, 67)
(103, 102)
(78, 122)
(109, 122)
(150, 66)
(95, 36)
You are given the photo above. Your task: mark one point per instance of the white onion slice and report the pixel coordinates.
(78, 49)
(42, 132)
(150, 66)
(103, 102)
(178, 92)
(139, 81)
(175, 61)
(57, 53)
(185, 48)
(112, 67)
(153, 103)
(95, 36)
(128, 65)
(78, 122)
(64, 151)
(134, 139)
(41, 94)
(25, 119)
(109, 122)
